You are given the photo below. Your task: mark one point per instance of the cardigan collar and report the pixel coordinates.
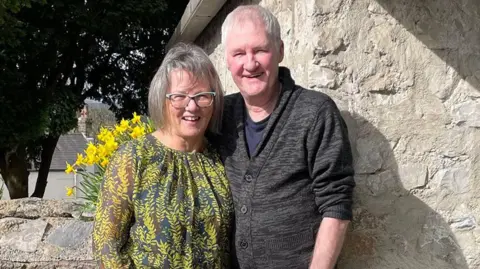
(288, 86)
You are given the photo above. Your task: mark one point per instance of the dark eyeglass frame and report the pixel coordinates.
(191, 97)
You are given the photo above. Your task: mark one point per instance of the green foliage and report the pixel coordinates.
(90, 187)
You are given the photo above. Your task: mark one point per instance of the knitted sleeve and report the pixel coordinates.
(331, 164)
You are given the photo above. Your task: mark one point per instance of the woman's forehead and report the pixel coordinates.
(184, 81)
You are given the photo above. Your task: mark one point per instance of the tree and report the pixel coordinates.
(98, 116)
(54, 54)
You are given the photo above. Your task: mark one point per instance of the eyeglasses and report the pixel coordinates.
(181, 100)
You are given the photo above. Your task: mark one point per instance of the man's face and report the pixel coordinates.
(252, 59)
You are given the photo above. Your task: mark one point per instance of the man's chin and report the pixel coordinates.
(253, 91)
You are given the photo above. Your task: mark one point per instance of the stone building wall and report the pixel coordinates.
(47, 234)
(406, 76)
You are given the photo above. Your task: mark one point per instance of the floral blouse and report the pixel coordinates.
(163, 208)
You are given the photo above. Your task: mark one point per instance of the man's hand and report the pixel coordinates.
(329, 242)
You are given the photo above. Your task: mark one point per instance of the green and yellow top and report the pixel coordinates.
(163, 208)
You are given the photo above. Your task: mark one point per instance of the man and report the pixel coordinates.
(286, 154)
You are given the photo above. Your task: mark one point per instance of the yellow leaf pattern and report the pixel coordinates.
(162, 208)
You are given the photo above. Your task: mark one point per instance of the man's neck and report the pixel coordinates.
(261, 107)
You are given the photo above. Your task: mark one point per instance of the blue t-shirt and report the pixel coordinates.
(254, 132)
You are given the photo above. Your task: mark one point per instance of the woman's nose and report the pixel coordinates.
(191, 105)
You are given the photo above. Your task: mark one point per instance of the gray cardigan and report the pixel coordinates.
(300, 172)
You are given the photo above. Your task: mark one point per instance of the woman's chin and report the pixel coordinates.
(192, 132)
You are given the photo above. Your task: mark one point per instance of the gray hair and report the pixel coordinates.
(193, 59)
(250, 13)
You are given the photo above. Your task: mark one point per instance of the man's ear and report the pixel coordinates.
(281, 52)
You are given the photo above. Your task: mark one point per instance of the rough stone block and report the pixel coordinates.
(321, 77)
(467, 112)
(71, 235)
(413, 175)
(26, 238)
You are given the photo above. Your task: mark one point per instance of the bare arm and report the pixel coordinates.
(329, 243)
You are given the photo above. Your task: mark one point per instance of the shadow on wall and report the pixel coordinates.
(450, 29)
(392, 229)
(212, 37)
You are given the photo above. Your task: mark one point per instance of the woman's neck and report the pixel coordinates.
(179, 143)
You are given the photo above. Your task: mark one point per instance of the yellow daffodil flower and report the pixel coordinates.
(91, 149)
(120, 129)
(101, 134)
(104, 162)
(69, 169)
(70, 191)
(137, 132)
(124, 123)
(111, 145)
(101, 151)
(136, 118)
(80, 159)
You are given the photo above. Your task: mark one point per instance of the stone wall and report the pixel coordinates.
(49, 234)
(406, 75)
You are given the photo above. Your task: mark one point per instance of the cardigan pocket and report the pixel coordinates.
(291, 251)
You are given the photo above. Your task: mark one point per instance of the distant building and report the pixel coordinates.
(68, 146)
(93, 115)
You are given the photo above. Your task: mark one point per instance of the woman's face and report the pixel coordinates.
(188, 120)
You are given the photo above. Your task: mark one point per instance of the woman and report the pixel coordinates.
(165, 200)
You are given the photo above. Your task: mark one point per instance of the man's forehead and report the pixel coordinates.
(247, 22)
(246, 28)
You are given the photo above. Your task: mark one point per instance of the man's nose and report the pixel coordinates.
(251, 63)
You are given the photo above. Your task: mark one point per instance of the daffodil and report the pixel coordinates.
(90, 160)
(101, 151)
(137, 132)
(124, 123)
(120, 129)
(69, 169)
(136, 118)
(104, 162)
(70, 191)
(111, 145)
(91, 150)
(79, 160)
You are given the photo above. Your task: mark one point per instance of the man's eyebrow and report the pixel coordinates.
(237, 50)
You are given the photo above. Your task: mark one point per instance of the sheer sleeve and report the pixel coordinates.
(115, 209)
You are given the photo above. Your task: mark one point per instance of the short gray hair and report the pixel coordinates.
(251, 13)
(193, 59)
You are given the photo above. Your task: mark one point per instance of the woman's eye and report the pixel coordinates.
(178, 97)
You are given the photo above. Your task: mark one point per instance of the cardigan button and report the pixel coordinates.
(248, 178)
(244, 209)
(243, 244)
